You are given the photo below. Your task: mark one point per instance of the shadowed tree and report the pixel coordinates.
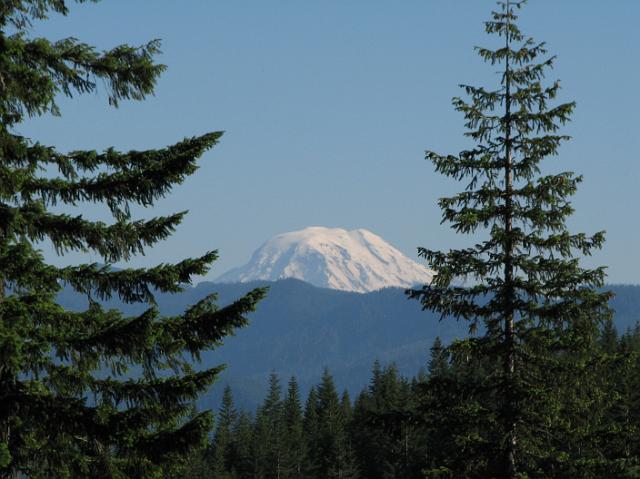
(242, 447)
(439, 359)
(536, 409)
(58, 416)
(293, 434)
(337, 459)
(222, 441)
(311, 429)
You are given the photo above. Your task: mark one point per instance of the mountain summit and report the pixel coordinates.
(334, 258)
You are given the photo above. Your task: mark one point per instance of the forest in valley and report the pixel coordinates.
(396, 427)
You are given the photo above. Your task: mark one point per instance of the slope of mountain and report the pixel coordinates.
(334, 258)
(299, 329)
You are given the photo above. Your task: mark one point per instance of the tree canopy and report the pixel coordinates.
(531, 404)
(93, 392)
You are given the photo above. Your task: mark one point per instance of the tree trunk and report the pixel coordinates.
(509, 316)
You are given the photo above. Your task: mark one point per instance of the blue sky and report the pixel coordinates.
(328, 108)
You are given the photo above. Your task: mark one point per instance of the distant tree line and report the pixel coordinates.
(401, 428)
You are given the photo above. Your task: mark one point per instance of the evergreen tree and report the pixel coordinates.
(58, 417)
(346, 407)
(260, 445)
(222, 443)
(384, 431)
(336, 455)
(368, 437)
(609, 337)
(439, 360)
(195, 467)
(622, 380)
(538, 407)
(330, 423)
(293, 450)
(451, 416)
(376, 373)
(241, 449)
(272, 409)
(268, 435)
(311, 428)
(197, 464)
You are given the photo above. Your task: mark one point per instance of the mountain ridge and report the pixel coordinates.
(299, 328)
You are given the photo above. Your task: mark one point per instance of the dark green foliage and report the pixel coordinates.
(291, 339)
(58, 417)
(222, 442)
(270, 433)
(311, 428)
(609, 338)
(528, 399)
(439, 361)
(293, 450)
(401, 429)
(384, 430)
(346, 406)
(242, 462)
(621, 377)
(335, 455)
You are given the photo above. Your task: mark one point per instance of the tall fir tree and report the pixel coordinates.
(272, 409)
(260, 445)
(58, 418)
(242, 447)
(222, 441)
(622, 378)
(537, 408)
(609, 338)
(439, 360)
(384, 430)
(293, 450)
(336, 457)
(268, 432)
(346, 407)
(311, 428)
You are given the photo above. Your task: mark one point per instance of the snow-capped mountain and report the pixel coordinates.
(334, 258)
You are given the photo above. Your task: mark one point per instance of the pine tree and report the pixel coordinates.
(272, 409)
(384, 429)
(628, 388)
(311, 427)
(622, 382)
(58, 417)
(337, 459)
(609, 337)
(241, 449)
(293, 450)
(196, 465)
(346, 407)
(376, 373)
(261, 446)
(439, 360)
(330, 423)
(268, 436)
(349, 461)
(537, 407)
(227, 415)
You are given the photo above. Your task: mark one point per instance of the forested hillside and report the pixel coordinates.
(299, 329)
(387, 429)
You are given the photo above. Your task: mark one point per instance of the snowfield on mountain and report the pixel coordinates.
(356, 260)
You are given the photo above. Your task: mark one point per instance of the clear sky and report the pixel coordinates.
(329, 105)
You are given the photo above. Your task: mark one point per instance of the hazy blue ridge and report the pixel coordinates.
(300, 329)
